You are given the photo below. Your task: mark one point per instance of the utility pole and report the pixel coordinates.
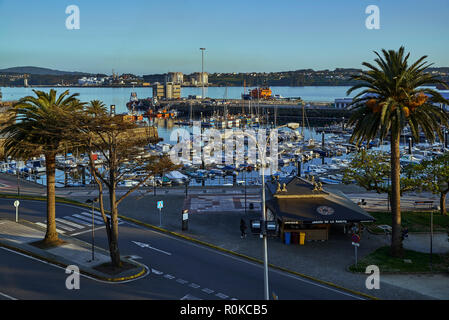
(202, 72)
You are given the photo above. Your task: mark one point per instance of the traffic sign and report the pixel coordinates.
(356, 244)
(16, 203)
(160, 204)
(355, 238)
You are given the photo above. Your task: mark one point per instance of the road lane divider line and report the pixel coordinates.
(146, 245)
(221, 295)
(7, 296)
(156, 272)
(181, 281)
(207, 290)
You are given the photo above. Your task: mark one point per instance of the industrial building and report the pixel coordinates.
(200, 78)
(176, 77)
(166, 91)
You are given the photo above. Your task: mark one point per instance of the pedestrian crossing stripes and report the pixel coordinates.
(45, 226)
(77, 223)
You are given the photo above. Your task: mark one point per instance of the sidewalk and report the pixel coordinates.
(19, 237)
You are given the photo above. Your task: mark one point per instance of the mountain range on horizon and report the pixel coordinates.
(47, 71)
(41, 71)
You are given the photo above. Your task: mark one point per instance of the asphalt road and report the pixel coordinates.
(180, 269)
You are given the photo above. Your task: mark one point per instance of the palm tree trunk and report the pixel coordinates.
(51, 234)
(396, 236)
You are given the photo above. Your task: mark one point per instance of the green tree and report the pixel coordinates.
(96, 108)
(434, 176)
(38, 126)
(121, 144)
(372, 171)
(394, 96)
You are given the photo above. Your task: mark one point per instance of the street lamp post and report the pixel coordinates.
(292, 126)
(18, 182)
(93, 226)
(202, 72)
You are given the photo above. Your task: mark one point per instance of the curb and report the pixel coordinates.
(224, 250)
(63, 265)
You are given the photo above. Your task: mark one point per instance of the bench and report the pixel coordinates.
(425, 202)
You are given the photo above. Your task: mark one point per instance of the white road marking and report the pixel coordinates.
(190, 297)
(194, 285)
(60, 225)
(234, 299)
(88, 230)
(181, 281)
(86, 218)
(221, 295)
(169, 276)
(7, 296)
(89, 215)
(81, 274)
(207, 290)
(251, 263)
(146, 245)
(76, 220)
(75, 225)
(156, 272)
(45, 226)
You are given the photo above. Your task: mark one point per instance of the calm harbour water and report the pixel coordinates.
(120, 96)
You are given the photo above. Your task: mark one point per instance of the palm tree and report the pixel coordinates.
(393, 96)
(38, 126)
(96, 108)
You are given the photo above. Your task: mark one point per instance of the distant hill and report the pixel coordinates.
(40, 71)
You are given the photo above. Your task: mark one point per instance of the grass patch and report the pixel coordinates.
(108, 268)
(415, 221)
(420, 262)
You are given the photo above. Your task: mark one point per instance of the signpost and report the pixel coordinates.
(355, 242)
(160, 205)
(16, 204)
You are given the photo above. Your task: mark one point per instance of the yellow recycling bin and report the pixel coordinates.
(302, 237)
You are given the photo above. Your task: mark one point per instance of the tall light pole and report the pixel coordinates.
(202, 72)
(93, 226)
(292, 126)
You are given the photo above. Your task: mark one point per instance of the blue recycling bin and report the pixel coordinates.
(287, 236)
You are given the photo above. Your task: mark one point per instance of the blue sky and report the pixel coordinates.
(148, 36)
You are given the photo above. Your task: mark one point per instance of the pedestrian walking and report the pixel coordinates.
(242, 228)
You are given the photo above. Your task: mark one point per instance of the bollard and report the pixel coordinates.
(185, 220)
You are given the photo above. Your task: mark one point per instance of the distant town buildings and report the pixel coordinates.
(85, 81)
(200, 78)
(342, 103)
(167, 91)
(176, 77)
